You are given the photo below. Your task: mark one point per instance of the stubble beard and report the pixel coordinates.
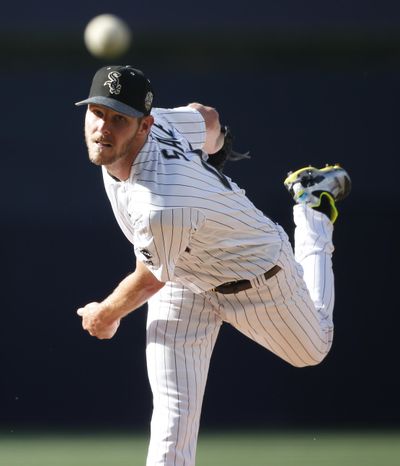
(108, 156)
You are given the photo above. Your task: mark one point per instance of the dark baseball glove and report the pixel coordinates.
(226, 152)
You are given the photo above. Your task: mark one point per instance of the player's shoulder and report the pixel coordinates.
(177, 115)
(182, 122)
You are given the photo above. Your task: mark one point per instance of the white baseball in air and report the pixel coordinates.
(107, 36)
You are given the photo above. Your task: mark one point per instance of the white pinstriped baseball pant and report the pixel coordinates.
(290, 314)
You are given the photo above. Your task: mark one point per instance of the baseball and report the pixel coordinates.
(107, 36)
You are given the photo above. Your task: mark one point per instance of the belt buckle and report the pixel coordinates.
(231, 287)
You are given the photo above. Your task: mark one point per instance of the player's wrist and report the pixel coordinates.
(110, 312)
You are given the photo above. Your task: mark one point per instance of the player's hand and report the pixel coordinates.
(94, 320)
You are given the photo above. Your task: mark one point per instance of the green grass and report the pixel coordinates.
(303, 448)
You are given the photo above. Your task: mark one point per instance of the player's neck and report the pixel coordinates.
(121, 169)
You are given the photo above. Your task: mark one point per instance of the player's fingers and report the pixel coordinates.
(86, 323)
(90, 330)
(108, 332)
(105, 335)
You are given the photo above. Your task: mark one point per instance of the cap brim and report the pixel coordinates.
(113, 104)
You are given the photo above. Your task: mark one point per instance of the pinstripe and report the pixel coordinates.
(165, 370)
(310, 310)
(151, 233)
(193, 361)
(164, 249)
(186, 370)
(176, 373)
(234, 273)
(303, 304)
(252, 331)
(267, 311)
(282, 350)
(288, 344)
(196, 402)
(195, 266)
(298, 283)
(265, 332)
(222, 299)
(323, 288)
(299, 311)
(181, 236)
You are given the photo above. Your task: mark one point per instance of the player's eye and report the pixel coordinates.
(97, 112)
(119, 118)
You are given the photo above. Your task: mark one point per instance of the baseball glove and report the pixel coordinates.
(226, 152)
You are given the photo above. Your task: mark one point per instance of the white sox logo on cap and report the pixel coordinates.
(113, 82)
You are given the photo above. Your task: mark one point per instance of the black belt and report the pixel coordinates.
(241, 285)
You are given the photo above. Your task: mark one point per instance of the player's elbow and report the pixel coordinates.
(214, 137)
(311, 360)
(210, 115)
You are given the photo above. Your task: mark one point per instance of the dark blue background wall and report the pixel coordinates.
(297, 85)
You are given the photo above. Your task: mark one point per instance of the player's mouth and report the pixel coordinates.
(100, 143)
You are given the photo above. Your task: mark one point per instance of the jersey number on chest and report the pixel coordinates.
(174, 150)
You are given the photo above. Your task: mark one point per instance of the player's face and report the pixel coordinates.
(110, 136)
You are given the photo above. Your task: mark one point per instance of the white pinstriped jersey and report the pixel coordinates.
(187, 222)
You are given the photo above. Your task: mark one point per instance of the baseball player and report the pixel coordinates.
(204, 253)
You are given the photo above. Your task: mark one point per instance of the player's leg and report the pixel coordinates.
(313, 251)
(316, 192)
(279, 314)
(182, 328)
(291, 313)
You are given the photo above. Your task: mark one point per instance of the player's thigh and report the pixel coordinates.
(177, 317)
(280, 316)
(182, 328)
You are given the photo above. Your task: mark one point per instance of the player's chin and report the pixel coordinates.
(98, 159)
(103, 157)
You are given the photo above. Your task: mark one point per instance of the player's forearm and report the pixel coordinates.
(132, 292)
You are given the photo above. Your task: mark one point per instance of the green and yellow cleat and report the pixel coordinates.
(319, 188)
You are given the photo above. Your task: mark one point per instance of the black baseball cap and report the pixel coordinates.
(122, 88)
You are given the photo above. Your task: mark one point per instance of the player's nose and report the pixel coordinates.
(103, 125)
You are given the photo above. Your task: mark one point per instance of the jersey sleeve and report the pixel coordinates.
(162, 236)
(187, 121)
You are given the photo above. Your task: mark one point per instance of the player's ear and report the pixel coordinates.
(146, 124)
